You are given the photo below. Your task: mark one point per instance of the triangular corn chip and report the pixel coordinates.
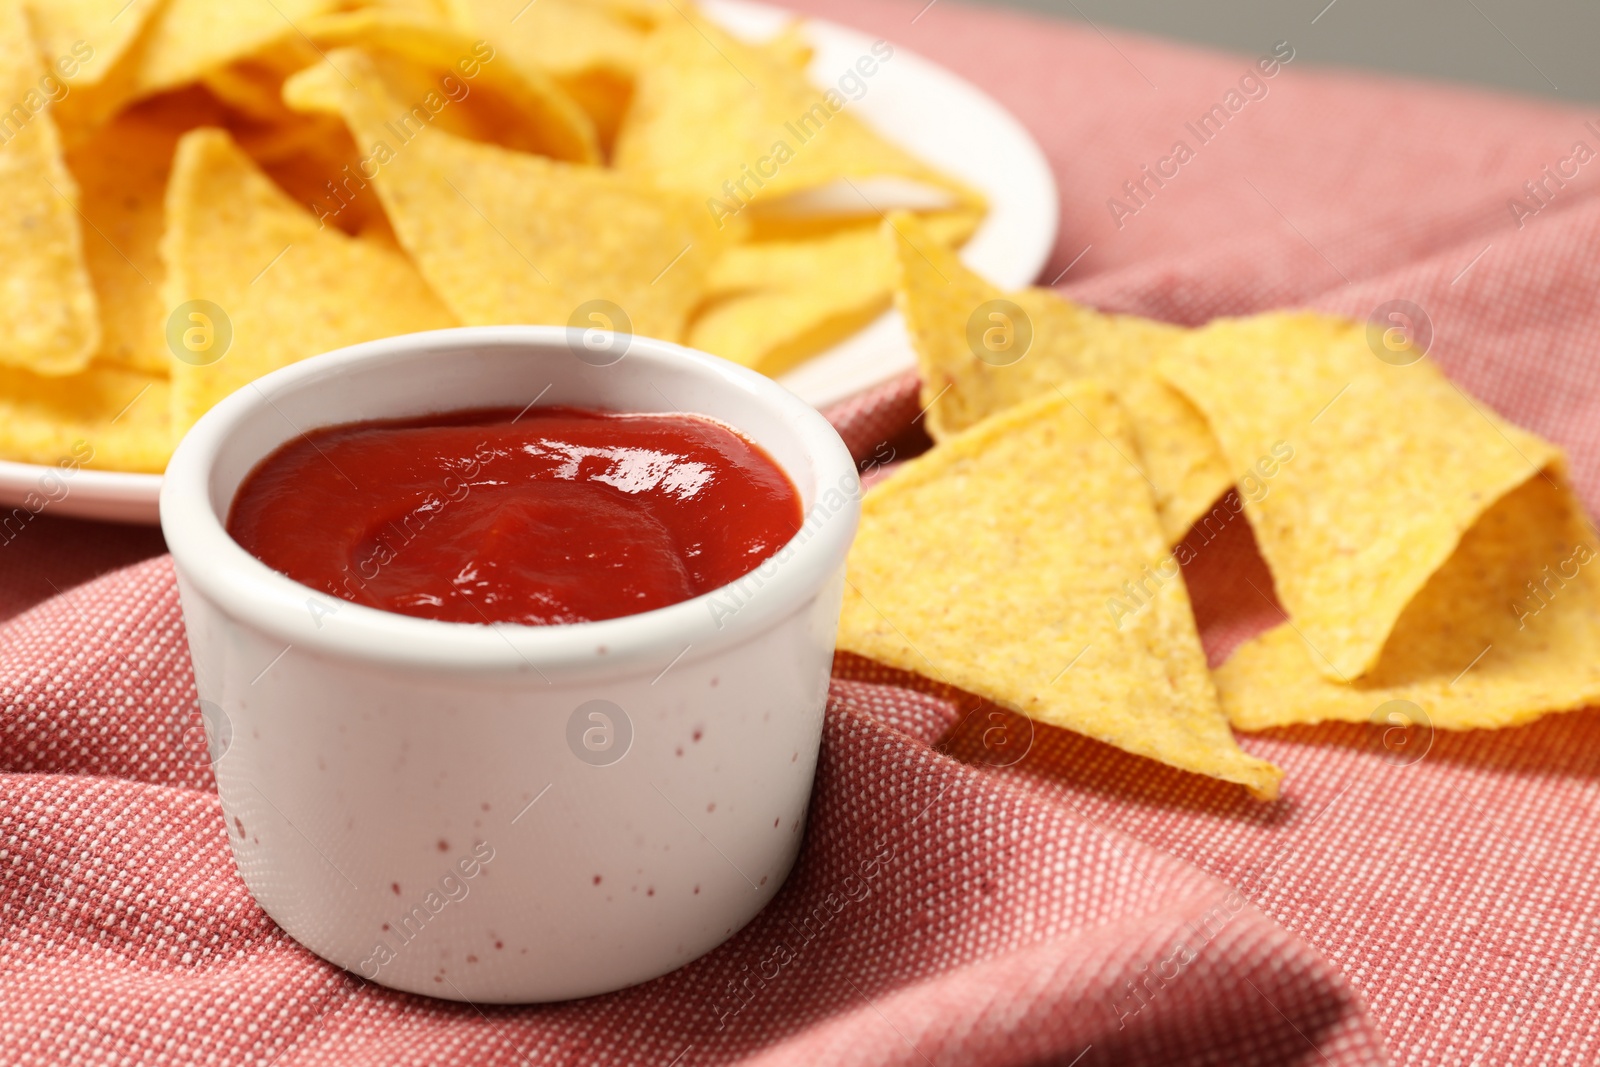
(590, 49)
(82, 40)
(1391, 465)
(732, 123)
(1508, 629)
(941, 300)
(775, 303)
(107, 418)
(181, 43)
(188, 38)
(47, 310)
(988, 564)
(122, 170)
(252, 86)
(506, 237)
(426, 64)
(288, 288)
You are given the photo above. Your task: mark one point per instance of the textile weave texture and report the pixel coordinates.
(1035, 897)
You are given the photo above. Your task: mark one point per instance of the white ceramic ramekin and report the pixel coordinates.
(509, 813)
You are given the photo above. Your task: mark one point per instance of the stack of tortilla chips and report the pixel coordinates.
(195, 193)
(1424, 549)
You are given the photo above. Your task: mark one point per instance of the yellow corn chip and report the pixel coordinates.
(955, 317)
(774, 330)
(775, 303)
(591, 51)
(82, 40)
(183, 41)
(252, 85)
(988, 563)
(507, 237)
(443, 76)
(854, 247)
(189, 38)
(644, 15)
(47, 311)
(564, 37)
(282, 287)
(731, 124)
(1508, 629)
(791, 46)
(436, 10)
(326, 176)
(105, 417)
(122, 171)
(1391, 465)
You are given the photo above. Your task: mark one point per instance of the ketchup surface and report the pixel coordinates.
(560, 515)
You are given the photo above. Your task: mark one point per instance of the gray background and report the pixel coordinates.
(1544, 47)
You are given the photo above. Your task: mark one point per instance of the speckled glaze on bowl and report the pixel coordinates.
(508, 813)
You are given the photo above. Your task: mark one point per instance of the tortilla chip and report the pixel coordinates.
(184, 41)
(82, 40)
(1387, 467)
(989, 562)
(591, 52)
(252, 85)
(47, 308)
(564, 37)
(192, 37)
(436, 10)
(107, 418)
(289, 288)
(940, 300)
(776, 303)
(122, 171)
(848, 246)
(791, 45)
(1507, 630)
(731, 124)
(506, 237)
(773, 331)
(446, 77)
(644, 15)
(326, 176)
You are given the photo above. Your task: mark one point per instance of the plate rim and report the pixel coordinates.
(131, 497)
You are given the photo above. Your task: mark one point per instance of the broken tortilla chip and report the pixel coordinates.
(107, 418)
(1507, 630)
(733, 124)
(1389, 466)
(988, 563)
(507, 237)
(288, 288)
(977, 356)
(47, 306)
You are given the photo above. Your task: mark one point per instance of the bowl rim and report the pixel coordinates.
(210, 562)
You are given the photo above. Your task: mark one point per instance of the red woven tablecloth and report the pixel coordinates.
(1075, 906)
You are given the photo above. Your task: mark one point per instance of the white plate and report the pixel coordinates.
(923, 107)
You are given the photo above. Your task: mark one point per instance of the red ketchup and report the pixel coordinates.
(558, 515)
